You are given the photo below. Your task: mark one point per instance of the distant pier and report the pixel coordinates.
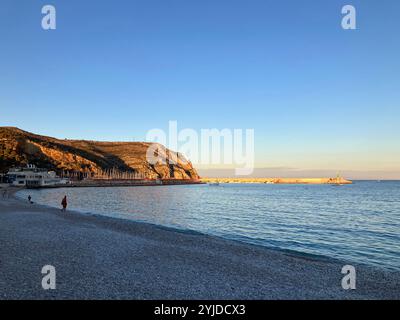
(333, 181)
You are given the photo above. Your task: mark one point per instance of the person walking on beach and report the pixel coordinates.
(5, 193)
(64, 204)
(30, 199)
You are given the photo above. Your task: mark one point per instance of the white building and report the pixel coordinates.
(30, 176)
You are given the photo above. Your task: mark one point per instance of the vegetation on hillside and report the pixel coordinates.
(19, 148)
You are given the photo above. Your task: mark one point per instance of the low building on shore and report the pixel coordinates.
(31, 176)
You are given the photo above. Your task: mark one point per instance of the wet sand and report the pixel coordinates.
(106, 258)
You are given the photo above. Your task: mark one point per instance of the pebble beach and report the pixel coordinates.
(97, 257)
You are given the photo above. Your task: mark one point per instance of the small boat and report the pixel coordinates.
(214, 184)
(338, 181)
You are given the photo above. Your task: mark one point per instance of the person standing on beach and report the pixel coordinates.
(64, 204)
(30, 199)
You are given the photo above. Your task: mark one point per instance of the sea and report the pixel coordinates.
(357, 223)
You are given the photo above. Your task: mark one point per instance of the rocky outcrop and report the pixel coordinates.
(18, 148)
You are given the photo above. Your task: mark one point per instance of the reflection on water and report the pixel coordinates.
(359, 222)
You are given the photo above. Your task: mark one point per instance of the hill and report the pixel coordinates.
(18, 148)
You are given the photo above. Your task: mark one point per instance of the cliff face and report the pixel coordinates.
(18, 148)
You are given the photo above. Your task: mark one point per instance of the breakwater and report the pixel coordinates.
(279, 180)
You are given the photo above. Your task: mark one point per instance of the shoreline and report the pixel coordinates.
(181, 230)
(176, 229)
(118, 183)
(190, 264)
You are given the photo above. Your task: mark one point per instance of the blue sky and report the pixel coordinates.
(317, 96)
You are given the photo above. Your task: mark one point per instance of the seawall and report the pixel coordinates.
(122, 183)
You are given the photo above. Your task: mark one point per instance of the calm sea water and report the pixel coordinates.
(356, 223)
